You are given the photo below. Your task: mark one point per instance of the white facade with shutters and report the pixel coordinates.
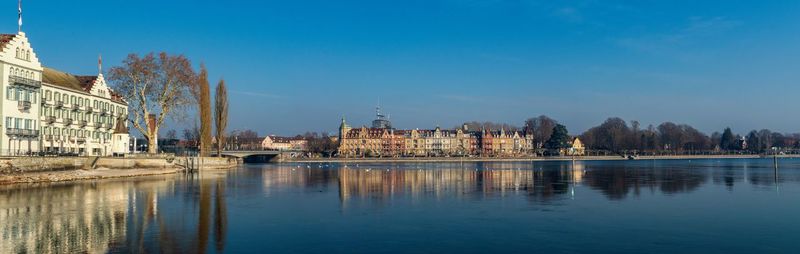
(46, 111)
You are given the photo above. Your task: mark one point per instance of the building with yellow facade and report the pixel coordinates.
(378, 141)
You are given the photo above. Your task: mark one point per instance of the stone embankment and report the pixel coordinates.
(57, 169)
(556, 158)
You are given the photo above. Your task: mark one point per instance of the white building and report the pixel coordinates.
(45, 110)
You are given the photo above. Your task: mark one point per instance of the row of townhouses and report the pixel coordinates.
(381, 140)
(49, 111)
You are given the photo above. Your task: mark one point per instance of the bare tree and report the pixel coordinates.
(541, 127)
(221, 114)
(204, 108)
(172, 134)
(155, 87)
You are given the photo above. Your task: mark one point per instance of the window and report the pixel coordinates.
(58, 96)
(48, 95)
(10, 93)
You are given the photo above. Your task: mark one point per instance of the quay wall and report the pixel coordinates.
(47, 164)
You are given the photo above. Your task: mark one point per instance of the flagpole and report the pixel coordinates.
(19, 21)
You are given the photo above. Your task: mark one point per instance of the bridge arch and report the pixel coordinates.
(253, 156)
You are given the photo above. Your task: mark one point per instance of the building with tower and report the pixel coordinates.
(49, 111)
(382, 140)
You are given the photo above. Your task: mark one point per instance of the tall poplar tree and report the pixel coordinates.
(204, 108)
(221, 114)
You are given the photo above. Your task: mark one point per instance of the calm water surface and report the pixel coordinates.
(697, 206)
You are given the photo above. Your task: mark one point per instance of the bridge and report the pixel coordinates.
(259, 155)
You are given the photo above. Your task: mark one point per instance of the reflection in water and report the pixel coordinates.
(541, 181)
(189, 214)
(108, 216)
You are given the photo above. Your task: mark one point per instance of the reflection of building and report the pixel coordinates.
(42, 220)
(113, 216)
(388, 142)
(53, 111)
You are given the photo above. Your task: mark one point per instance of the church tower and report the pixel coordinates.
(343, 129)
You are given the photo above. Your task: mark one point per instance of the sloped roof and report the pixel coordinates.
(63, 79)
(120, 127)
(69, 81)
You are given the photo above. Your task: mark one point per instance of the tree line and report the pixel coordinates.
(617, 135)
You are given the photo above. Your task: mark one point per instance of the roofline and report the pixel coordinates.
(81, 92)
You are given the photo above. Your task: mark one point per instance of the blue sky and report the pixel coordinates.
(300, 65)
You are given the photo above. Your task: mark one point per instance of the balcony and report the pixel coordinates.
(59, 104)
(24, 105)
(76, 107)
(109, 126)
(98, 125)
(17, 80)
(50, 119)
(22, 132)
(103, 112)
(82, 123)
(67, 121)
(89, 109)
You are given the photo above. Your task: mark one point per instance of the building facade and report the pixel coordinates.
(388, 142)
(48, 111)
(273, 142)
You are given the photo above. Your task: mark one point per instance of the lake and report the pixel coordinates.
(644, 206)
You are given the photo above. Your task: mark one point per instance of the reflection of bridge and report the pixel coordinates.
(259, 155)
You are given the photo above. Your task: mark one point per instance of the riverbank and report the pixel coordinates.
(15, 170)
(518, 159)
(80, 174)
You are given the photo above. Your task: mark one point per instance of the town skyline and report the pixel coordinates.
(715, 66)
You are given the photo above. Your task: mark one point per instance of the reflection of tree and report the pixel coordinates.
(617, 182)
(220, 213)
(63, 217)
(220, 217)
(204, 216)
(112, 216)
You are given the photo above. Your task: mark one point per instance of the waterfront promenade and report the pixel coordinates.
(60, 169)
(550, 158)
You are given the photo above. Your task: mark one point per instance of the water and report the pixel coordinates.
(697, 206)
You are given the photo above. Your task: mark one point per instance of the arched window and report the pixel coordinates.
(28, 55)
